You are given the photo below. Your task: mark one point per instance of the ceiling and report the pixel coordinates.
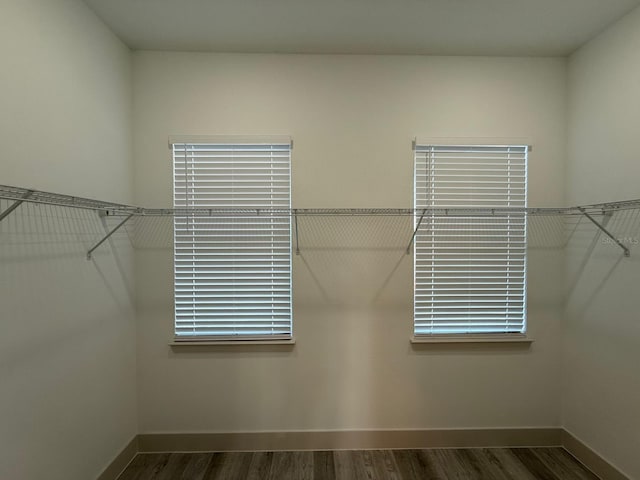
(431, 27)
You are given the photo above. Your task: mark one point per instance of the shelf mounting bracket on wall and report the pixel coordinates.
(627, 253)
(126, 219)
(415, 232)
(295, 219)
(15, 205)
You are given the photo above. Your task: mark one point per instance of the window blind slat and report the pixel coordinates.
(470, 272)
(232, 276)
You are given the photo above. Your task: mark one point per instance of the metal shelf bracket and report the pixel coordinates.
(108, 235)
(295, 219)
(415, 232)
(15, 205)
(624, 248)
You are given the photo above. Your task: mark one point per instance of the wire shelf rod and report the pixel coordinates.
(18, 194)
(61, 200)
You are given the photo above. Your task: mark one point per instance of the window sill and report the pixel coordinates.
(229, 343)
(498, 338)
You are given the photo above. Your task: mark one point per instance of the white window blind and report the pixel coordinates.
(232, 272)
(470, 271)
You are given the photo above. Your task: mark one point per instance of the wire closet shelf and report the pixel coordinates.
(19, 195)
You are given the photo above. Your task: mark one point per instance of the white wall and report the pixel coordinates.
(352, 119)
(601, 385)
(67, 342)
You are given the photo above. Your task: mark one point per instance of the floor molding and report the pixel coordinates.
(361, 440)
(591, 459)
(117, 466)
(349, 440)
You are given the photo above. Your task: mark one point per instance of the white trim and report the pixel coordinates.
(121, 461)
(231, 139)
(227, 343)
(590, 458)
(455, 175)
(350, 439)
(462, 338)
(436, 141)
(226, 285)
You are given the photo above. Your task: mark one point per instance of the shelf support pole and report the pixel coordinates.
(108, 235)
(295, 220)
(15, 205)
(627, 253)
(415, 232)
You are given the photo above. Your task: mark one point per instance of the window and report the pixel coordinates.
(470, 268)
(232, 267)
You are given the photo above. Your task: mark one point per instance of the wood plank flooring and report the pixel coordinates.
(437, 464)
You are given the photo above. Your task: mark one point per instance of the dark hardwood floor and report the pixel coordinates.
(445, 464)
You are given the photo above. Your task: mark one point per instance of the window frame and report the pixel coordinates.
(266, 214)
(474, 334)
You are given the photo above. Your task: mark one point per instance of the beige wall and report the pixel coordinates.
(67, 342)
(66, 98)
(352, 119)
(601, 384)
(68, 346)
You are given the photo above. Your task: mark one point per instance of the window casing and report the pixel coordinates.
(470, 269)
(232, 265)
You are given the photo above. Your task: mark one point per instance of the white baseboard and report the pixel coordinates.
(361, 440)
(349, 440)
(115, 468)
(591, 459)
